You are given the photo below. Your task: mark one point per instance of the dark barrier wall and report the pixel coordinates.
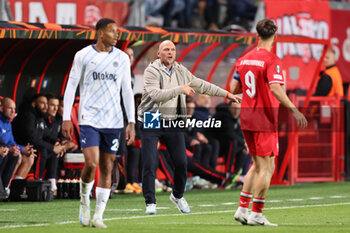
(29, 65)
(347, 140)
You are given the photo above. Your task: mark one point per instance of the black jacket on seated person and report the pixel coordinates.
(230, 128)
(53, 129)
(31, 126)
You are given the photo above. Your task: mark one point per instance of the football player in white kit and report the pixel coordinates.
(102, 72)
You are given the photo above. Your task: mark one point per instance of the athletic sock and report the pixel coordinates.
(85, 190)
(258, 206)
(244, 200)
(102, 196)
(53, 183)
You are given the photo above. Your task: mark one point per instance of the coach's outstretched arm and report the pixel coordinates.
(203, 87)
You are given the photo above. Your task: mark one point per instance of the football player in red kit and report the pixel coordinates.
(258, 76)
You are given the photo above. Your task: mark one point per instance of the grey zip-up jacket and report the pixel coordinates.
(162, 91)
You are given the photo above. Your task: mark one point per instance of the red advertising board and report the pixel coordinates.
(300, 18)
(340, 41)
(68, 11)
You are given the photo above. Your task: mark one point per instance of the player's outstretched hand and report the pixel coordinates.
(130, 133)
(67, 129)
(234, 98)
(300, 118)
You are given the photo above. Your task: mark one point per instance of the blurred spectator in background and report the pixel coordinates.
(14, 162)
(232, 143)
(137, 13)
(130, 53)
(167, 8)
(196, 142)
(212, 9)
(196, 168)
(330, 82)
(241, 12)
(201, 112)
(133, 157)
(185, 16)
(208, 14)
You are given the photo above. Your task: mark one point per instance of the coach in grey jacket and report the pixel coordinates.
(166, 84)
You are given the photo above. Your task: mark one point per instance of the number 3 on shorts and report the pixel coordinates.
(115, 146)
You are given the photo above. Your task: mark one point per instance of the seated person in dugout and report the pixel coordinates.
(199, 140)
(32, 126)
(232, 143)
(19, 159)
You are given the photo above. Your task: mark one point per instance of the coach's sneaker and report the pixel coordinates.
(241, 216)
(84, 215)
(98, 223)
(151, 209)
(259, 221)
(181, 204)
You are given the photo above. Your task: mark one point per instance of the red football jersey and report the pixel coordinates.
(257, 70)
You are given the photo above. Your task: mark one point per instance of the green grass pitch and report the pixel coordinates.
(321, 207)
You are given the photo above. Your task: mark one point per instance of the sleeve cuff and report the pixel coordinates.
(280, 82)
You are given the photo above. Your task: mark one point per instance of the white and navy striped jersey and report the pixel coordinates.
(101, 76)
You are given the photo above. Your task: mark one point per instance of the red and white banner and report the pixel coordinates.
(300, 18)
(340, 41)
(68, 11)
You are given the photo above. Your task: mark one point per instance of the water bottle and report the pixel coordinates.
(66, 186)
(60, 189)
(74, 189)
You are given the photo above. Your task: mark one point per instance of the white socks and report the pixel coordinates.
(243, 210)
(18, 178)
(255, 214)
(53, 184)
(102, 196)
(85, 190)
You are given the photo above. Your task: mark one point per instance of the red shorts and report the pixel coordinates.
(261, 143)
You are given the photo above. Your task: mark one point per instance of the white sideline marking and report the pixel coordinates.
(25, 225)
(305, 224)
(65, 222)
(316, 198)
(337, 197)
(295, 199)
(228, 203)
(306, 206)
(167, 215)
(124, 209)
(274, 201)
(207, 205)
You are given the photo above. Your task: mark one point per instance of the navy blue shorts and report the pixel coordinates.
(106, 139)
